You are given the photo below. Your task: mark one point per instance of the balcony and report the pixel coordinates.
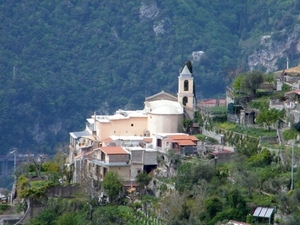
(110, 164)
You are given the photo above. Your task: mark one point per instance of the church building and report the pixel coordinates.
(162, 115)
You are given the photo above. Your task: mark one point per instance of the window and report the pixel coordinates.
(132, 124)
(158, 142)
(186, 85)
(102, 156)
(184, 100)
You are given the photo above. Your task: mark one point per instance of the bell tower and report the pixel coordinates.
(186, 87)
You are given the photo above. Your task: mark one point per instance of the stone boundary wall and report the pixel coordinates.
(63, 191)
(212, 134)
(265, 139)
(270, 140)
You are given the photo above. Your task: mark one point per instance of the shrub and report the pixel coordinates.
(261, 159)
(4, 207)
(290, 134)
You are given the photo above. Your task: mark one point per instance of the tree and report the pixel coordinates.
(189, 66)
(184, 177)
(65, 170)
(143, 179)
(269, 117)
(67, 219)
(202, 172)
(245, 178)
(190, 174)
(264, 158)
(187, 125)
(213, 205)
(251, 82)
(38, 163)
(171, 207)
(236, 200)
(112, 184)
(237, 83)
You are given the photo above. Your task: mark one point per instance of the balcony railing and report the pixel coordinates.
(107, 164)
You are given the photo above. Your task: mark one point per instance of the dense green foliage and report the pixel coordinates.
(269, 117)
(143, 179)
(32, 189)
(3, 207)
(62, 60)
(290, 134)
(112, 184)
(248, 83)
(77, 212)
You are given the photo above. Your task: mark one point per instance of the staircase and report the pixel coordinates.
(280, 137)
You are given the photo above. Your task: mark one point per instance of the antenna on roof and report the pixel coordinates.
(287, 62)
(95, 120)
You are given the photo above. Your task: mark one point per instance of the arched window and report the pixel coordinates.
(184, 100)
(186, 85)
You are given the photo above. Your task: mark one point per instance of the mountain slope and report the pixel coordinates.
(62, 60)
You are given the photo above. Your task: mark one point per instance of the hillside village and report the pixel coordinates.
(130, 142)
(173, 130)
(133, 142)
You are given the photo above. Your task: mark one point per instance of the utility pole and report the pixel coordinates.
(292, 168)
(14, 151)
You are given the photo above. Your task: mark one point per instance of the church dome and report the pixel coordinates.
(164, 107)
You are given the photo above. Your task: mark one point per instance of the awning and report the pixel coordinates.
(263, 212)
(90, 137)
(79, 134)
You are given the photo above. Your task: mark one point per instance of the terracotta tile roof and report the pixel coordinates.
(106, 140)
(182, 140)
(213, 102)
(147, 139)
(186, 143)
(114, 150)
(183, 137)
(237, 222)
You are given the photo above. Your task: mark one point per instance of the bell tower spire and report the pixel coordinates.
(186, 86)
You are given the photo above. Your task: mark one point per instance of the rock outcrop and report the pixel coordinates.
(272, 49)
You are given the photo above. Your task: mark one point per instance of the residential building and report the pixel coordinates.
(112, 158)
(181, 143)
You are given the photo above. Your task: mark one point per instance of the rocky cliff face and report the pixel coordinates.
(275, 47)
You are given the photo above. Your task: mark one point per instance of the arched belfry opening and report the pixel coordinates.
(184, 100)
(186, 85)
